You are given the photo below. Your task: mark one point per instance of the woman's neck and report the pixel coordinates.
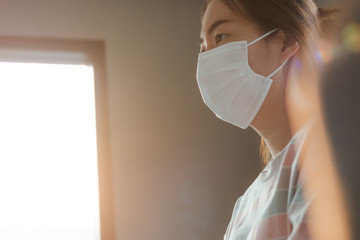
(276, 133)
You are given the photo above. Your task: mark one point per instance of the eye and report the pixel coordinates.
(220, 37)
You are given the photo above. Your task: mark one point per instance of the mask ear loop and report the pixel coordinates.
(262, 37)
(278, 69)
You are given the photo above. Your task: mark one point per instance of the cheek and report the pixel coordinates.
(261, 59)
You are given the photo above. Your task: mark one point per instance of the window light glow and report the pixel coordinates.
(48, 153)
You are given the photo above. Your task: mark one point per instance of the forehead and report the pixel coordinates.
(217, 10)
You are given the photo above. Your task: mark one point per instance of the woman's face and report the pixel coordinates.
(222, 25)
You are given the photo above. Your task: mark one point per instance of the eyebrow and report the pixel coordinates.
(214, 26)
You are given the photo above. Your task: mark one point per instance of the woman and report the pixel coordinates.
(254, 55)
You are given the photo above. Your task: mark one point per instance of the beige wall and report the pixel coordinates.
(177, 169)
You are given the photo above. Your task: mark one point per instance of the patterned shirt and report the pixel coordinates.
(273, 207)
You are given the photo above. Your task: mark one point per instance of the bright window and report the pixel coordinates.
(48, 153)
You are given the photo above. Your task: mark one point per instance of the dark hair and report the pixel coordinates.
(300, 19)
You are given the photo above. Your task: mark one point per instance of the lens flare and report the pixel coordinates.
(351, 37)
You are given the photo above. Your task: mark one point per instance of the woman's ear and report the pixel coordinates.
(290, 45)
(284, 44)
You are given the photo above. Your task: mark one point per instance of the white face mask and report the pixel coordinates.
(228, 85)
